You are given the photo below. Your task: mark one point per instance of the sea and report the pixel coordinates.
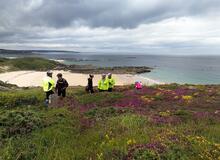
(167, 69)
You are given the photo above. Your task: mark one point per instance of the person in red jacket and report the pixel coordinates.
(61, 85)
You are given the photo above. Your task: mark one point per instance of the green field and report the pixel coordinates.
(168, 122)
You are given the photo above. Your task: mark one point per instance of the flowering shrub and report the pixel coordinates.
(158, 122)
(187, 98)
(171, 145)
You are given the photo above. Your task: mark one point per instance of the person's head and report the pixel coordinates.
(49, 74)
(109, 75)
(91, 76)
(103, 76)
(59, 76)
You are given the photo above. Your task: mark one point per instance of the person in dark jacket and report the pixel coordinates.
(61, 85)
(89, 87)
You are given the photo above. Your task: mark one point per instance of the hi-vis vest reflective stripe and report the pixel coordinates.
(48, 84)
(111, 82)
(103, 84)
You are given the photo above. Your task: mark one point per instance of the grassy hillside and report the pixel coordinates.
(160, 122)
(27, 63)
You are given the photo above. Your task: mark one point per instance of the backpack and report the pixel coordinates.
(138, 85)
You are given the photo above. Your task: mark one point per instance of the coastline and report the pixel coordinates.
(34, 78)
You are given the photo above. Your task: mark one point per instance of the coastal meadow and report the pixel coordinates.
(161, 122)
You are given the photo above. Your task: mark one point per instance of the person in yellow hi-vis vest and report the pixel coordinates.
(48, 85)
(111, 82)
(103, 84)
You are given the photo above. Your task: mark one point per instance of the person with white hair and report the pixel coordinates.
(103, 84)
(111, 82)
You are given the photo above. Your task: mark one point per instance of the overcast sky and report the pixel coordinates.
(136, 26)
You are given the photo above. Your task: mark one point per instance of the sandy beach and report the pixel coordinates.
(34, 78)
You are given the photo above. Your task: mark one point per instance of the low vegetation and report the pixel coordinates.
(163, 122)
(26, 63)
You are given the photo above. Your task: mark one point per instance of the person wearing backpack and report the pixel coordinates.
(89, 87)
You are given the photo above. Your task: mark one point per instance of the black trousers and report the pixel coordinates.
(61, 92)
(89, 89)
(110, 89)
(49, 93)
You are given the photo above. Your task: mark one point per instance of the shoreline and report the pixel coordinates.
(34, 78)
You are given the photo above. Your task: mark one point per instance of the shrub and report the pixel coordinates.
(144, 154)
(183, 114)
(20, 98)
(19, 122)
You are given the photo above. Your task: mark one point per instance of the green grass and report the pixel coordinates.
(98, 98)
(30, 131)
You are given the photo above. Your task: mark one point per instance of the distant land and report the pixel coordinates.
(8, 51)
(42, 64)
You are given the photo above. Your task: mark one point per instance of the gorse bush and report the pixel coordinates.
(19, 123)
(15, 98)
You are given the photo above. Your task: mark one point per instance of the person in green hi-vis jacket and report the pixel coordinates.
(111, 82)
(48, 86)
(103, 84)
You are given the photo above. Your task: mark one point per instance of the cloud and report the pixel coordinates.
(99, 13)
(111, 25)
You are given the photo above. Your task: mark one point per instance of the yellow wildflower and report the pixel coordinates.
(176, 97)
(100, 156)
(196, 94)
(106, 136)
(158, 94)
(131, 141)
(165, 114)
(188, 98)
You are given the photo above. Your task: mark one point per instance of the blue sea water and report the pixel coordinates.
(170, 69)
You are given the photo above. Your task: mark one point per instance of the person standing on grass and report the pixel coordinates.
(48, 85)
(61, 85)
(103, 84)
(89, 87)
(111, 82)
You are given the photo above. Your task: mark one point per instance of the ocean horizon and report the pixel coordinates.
(167, 69)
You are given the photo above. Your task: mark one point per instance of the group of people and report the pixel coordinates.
(49, 85)
(106, 84)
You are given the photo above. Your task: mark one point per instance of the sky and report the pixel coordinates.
(120, 26)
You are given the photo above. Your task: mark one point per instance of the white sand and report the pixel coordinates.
(34, 78)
